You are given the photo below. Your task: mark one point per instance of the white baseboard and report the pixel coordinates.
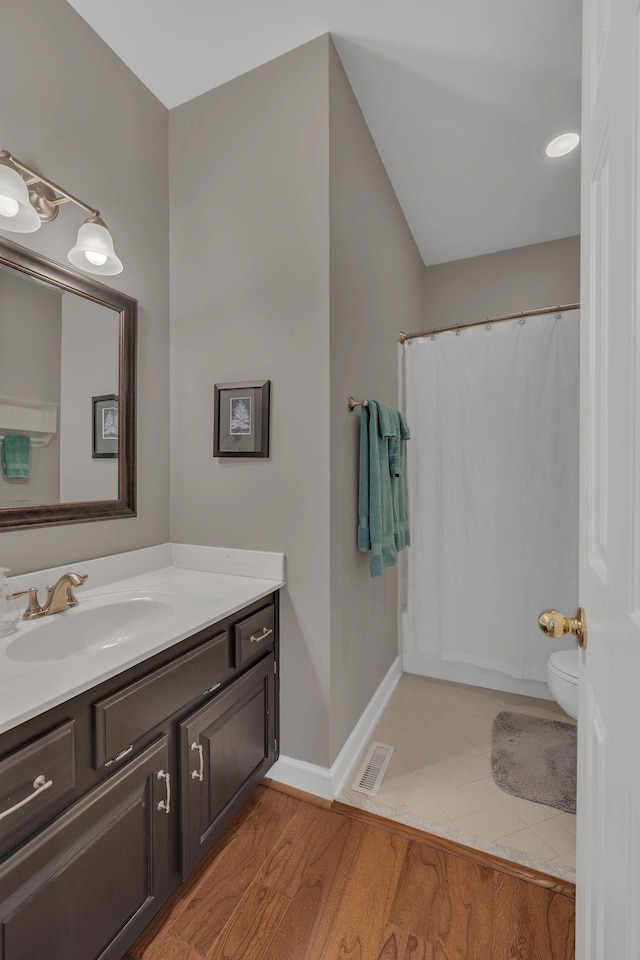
(328, 782)
(424, 666)
(357, 740)
(303, 776)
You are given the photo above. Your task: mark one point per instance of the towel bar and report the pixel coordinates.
(36, 441)
(357, 403)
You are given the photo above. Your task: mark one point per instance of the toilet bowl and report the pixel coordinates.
(562, 680)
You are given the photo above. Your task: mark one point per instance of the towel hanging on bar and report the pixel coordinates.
(383, 524)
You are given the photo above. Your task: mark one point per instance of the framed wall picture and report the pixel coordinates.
(241, 419)
(105, 426)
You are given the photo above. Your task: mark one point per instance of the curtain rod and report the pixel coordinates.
(560, 308)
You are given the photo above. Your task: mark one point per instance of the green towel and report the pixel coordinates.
(364, 530)
(16, 455)
(398, 462)
(394, 427)
(382, 511)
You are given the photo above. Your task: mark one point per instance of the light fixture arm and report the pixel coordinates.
(38, 178)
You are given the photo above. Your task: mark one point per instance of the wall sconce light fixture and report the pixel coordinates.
(26, 204)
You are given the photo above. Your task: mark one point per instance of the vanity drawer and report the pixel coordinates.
(127, 715)
(34, 778)
(254, 636)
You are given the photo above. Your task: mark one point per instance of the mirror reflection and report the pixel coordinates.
(59, 369)
(67, 394)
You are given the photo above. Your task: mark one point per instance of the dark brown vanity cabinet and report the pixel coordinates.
(109, 800)
(226, 747)
(87, 885)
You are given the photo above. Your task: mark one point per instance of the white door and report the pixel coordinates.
(608, 864)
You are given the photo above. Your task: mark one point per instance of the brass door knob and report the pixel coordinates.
(556, 625)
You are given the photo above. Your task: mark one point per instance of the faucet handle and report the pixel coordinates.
(34, 610)
(74, 580)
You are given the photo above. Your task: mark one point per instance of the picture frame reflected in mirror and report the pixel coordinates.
(105, 426)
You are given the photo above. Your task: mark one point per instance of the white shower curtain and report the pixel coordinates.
(493, 486)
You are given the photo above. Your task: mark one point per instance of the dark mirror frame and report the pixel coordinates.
(38, 515)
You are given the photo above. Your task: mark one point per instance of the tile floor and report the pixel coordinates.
(440, 771)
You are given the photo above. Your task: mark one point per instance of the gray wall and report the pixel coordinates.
(74, 111)
(30, 336)
(377, 278)
(249, 175)
(90, 353)
(290, 260)
(525, 278)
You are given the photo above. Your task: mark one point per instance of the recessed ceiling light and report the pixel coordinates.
(562, 145)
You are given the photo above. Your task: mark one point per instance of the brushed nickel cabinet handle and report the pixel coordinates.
(165, 804)
(262, 636)
(124, 753)
(40, 784)
(198, 774)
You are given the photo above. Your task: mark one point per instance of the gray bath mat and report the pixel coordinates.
(535, 759)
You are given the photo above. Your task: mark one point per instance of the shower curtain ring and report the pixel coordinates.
(458, 330)
(558, 312)
(522, 317)
(488, 326)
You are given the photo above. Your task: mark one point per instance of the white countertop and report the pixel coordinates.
(200, 597)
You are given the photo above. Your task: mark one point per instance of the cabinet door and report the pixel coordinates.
(226, 748)
(88, 884)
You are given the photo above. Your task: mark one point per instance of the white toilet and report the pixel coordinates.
(562, 679)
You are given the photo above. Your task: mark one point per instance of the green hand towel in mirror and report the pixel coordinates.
(16, 456)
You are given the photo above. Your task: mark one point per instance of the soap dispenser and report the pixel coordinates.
(9, 612)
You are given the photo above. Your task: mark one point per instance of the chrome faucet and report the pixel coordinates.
(59, 597)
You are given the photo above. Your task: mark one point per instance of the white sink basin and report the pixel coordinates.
(96, 624)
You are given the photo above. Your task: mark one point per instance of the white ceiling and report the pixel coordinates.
(459, 95)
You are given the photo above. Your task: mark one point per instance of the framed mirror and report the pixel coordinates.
(67, 342)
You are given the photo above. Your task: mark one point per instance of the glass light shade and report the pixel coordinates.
(16, 212)
(560, 146)
(94, 251)
(97, 259)
(8, 206)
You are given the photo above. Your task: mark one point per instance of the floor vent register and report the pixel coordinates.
(373, 769)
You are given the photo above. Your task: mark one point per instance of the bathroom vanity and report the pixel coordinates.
(110, 796)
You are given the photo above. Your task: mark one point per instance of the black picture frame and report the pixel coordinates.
(105, 427)
(241, 419)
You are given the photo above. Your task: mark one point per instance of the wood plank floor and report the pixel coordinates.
(288, 880)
